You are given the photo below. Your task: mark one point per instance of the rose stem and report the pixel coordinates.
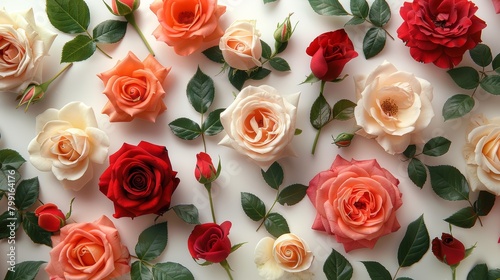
(225, 265)
(131, 19)
(208, 186)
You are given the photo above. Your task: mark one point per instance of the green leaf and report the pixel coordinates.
(494, 274)
(377, 271)
(274, 175)
(359, 8)
(292, 194)
(328, 7)
(200, 91)
(457, 106)
(152, 241)
(279, 64)
(276, 225)
(478, 272)
(311, 79)
(373, 42)
(337, 267)
(355, 21)
(415, 243)
(27, 193)
(417, 172)
(9, 223)
(266, 50)
(253, 206)
(481, 55)
(259, 73)
(404, 278)
(187, 212)
(410, 151)
(214, 54)
(465, 77)
(380, 13)
(109, 31)
(343, 110)
(321, 113)
(69, 16)
(496, 63)
(484, 203)
(464, 218)
(26, 270)
(8, 179)
(269, 1)
(139, 271)
(448, 183)
(437, 146)
(78, 49)
(237, 78)
(10, 159)
(212, 125)
(491, 84)
(171, 271)
(185, 128)
(34, 231)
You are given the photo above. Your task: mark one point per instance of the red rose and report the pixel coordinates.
(205, 170)
(440, 31)
(448, 247)
(209, 241)
(139, 180)
(50, 218)
(330, 52)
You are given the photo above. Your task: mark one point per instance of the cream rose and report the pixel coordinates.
(67, 142)
(393, 107)
(240, 45)
(482, 154)
(275, 259)
(23, 45)
(260, 124)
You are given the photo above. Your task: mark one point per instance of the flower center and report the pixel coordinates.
(185, 17)
(389, 107)
(360, 205)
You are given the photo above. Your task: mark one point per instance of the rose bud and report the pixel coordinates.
(448, 249)
(205, 171)
(50, 218)
(124, 7)
(343, 139)
(284, 31)
(32, 94)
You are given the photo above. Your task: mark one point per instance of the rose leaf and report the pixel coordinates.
(321, 113)
(185, 128)
(253, 206)
(404, 278)
(27, 193)
(109, 31)
(464, 218)
(457, 106)
(328, 7)
(266, 50)
(414, 244)
(479, 271)
(465, 77)
(448, 183)
(171, 271)
(377, 270)
(343, 110)
(6, 220)
(481, 55)
(212, 125)
(237, 78)
(34, 231)
(78, 49)
(214, 54)
(274, 175)
(337, 267)
(200, 91)
(380, 13)
(276, 225)
(139, 271)
(24, 270)
(496, 63)
(279, 64)
(491, 84)
(355, 21)
(493, 274)
(359, 8)
(417, 172)
(269, 1)
(187, 212)
(410, 151)
(485, 201)
(292, 194)
(437, 146)
(69, 16)
(373, 42)
(152, 241)
(10, 158)
(259, 74)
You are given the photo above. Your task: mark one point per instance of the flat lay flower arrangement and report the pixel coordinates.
(212, 139)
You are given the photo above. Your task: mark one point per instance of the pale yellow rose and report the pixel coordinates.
(393, 107)
(240, 45)
(23, 45)
(67, 142)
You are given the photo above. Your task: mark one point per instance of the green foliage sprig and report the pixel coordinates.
(24, 270)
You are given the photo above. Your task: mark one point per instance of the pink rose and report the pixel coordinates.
(134, 89)
(88, 251)
(187, 25)
(496, 4)
(356, 202)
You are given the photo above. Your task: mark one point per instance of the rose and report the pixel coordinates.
(287, 254)
(240, 45)
(67, 142)
(139, 180)
(205, 170)
(448, 249)
(260, 124)
(440, 31)
(186, 25)
(50, 217)
(124, 7)
(209, 241)
(496, 5)
(134, 89)
(330, 52)
(88, 251)
(393, 107)
(356, 201)
(24, 46)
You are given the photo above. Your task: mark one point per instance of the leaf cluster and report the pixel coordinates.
(481, 271)
(322, 113)
(269, 1)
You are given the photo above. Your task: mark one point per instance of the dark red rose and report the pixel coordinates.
(139, 180)
(448, 249)
(440, 31)
(209, 241)
(205, 170)
(50, 217)
(330, 52)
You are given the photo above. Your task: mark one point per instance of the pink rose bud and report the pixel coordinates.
(50, 218)
(343, 140)
(205, 171)
(124, 7)
(32, 94)
(284, 31)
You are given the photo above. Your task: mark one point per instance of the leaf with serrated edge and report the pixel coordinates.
(253, 206)
(187, 212)
(417, 172)
(273, 175)
(6, 220)
(200, 91)
(448, 183)
(266, 50)
(481, 55)
(171, 271)
(279, 64)
(214, 54)
(410, 151)
(373, 42)
(24, 270)
(337, 267)
(343, 110)
(465, 77)
(464, 218)
(321, 113)
(415, 243)
(478, 272)
(457, 106)
(212, 125)
(152, 241)
(377, 271)
(139, 271)
(237, 78)
(484, 203)
(328, 7)
(359, 8)
(69, 16)
(491, 84)
(11, 158)
(109, 31)
(34, 231)
(276, 225)
(292, 194)
(78, 49)
(437, 146)
(185, 128)
(380, 13)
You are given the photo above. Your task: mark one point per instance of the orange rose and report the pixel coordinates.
(134, 89)
(187, 25)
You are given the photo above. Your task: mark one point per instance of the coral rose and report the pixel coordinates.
(356, 201)
(187, 25)
(240, 45)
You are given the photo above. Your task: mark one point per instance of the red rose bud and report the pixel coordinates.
(448, 249)
(205, 171)
(209, 241)
(50, 218)
(343, 140)
(124, 7)
(284, 31)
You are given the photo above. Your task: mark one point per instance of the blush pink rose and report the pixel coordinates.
(496, 5)
(134, 89)
(356, 201)
(88, 251)
(187, 25)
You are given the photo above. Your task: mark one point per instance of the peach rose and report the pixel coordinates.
(88, 251)
(240, 45)
(187, 25)
(134, 89)
(356, 202)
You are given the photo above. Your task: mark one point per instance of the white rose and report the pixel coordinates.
(240, 45)
(482, 154)
(287, 257)
(393, 107)
(68, 141)
(260, 124)
(23, 45)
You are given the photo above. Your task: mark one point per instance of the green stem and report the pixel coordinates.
(395, 274)
(208, 186)
(268, 212)
(203, 136)
(453, 273)
(99, 48)
(226, 267)
(131, 19)
(322, 88)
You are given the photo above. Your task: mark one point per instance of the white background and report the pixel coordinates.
(239, 175)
